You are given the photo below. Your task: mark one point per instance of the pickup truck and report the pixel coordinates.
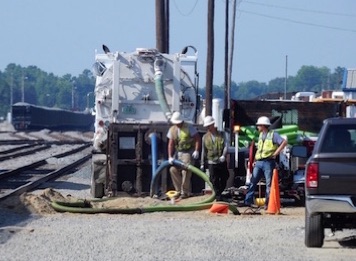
(330, 181)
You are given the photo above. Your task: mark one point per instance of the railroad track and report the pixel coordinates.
(22, 151)
(28, 149)
(33, 142)
(30, 137)
(27, 177)
(12, 150)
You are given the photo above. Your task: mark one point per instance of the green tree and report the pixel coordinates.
(311, 78)
(336, 78)
(249, 90)
(276, 85)
(85, 86)
(47, 89)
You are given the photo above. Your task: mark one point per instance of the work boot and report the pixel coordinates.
(177, 196)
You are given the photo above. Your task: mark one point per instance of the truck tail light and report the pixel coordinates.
(312, 174)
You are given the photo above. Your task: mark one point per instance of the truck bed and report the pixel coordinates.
(330, 181)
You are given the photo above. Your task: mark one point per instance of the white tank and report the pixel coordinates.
(143, 86)
(218, 109)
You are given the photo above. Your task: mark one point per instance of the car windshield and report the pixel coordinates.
(340, 138)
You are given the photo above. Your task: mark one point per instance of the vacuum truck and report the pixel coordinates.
(135, 95)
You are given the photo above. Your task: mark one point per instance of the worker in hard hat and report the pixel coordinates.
(214, 151)
(269, 145)
(184, 144)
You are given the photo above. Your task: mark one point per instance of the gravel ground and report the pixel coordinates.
(197, 235)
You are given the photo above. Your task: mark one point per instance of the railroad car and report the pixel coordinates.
(27, 116)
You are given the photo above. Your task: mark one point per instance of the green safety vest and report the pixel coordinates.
(214, 148)
(265, 148)
(183, 141)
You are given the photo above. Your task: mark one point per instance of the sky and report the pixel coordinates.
(272, 37)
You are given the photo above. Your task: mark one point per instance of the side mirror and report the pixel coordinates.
(299, 151)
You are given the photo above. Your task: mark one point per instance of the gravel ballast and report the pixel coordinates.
(198, 235)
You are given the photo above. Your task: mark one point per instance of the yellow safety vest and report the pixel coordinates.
(265, 148)
(183, 141)
(214, 148)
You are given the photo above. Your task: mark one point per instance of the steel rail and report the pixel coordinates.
(24, 153)
(37, 182)
(31, 142)
(38, 163)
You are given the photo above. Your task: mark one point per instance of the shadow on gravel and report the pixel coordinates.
(66, 185)
(14, 220)
(346, 242)
(349, 242)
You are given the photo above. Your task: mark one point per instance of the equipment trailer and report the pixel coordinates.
(305, 116)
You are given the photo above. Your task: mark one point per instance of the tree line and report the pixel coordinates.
(308, 79)
(35, 86)
(32, 85)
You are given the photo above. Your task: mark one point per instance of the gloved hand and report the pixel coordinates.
(222, 158)
(170, 160)
(202, 168)
(195, 154)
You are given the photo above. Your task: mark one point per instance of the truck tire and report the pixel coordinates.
(314, 231)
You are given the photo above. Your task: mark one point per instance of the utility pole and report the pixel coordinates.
(285, 80)
(162, 25)
(226, 54)
(210, 59)
(231, 53)
(23, 88)
(167, 25)
(11, 90)
(88, 94)
(73, 94)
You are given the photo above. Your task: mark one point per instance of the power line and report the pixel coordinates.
(298, 22)
(301, 9)
(188, 13)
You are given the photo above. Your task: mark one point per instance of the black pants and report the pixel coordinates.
(218, 176)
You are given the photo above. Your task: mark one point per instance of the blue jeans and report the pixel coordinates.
(262, 167)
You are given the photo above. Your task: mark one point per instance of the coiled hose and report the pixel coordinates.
(85, 207)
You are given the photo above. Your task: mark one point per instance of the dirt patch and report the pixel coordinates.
(41, 203)
(30, 203)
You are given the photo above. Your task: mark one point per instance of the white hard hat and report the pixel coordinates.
(176, 118)
(208, 120)
(263, 121)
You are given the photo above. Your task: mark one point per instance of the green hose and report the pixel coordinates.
(84, 206)
(160, 94)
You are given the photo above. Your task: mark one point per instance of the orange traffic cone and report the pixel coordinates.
(274, 202)
(219, 207)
